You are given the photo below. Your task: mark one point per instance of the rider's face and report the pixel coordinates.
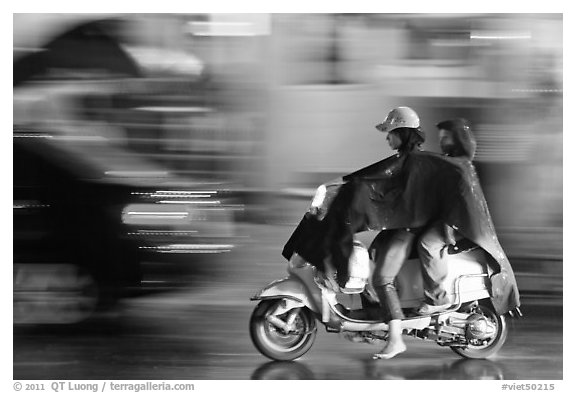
(446, 141)
(394, 140)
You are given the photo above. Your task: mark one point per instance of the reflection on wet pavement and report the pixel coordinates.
(150, 340)
(458, 369)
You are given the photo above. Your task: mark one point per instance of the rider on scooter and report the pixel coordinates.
(456, 141)
(392, 248)
(411, 189)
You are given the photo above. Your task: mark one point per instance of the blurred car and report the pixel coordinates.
(98, 214)
(86, 235)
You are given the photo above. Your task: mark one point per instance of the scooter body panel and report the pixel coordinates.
(410, 286)
(299, 289)
(299, 286)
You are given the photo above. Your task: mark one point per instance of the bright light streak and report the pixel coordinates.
(186, 192)
(197, 246)
(181, 196)
(191, 202)
(159, 214)
(145, 232)
(500, 37)
(136, 173)
(174, 109)
(31, 136)
(192, 248)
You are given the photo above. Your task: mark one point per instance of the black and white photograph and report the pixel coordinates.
(240, 196)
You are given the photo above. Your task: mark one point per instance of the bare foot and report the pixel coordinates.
(391, 350)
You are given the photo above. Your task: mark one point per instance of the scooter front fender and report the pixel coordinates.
(289, 288)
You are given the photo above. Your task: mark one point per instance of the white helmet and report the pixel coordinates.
(400, 117)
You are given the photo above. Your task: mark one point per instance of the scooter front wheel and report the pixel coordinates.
(274, 342)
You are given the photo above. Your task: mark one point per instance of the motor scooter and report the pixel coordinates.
(283, 326)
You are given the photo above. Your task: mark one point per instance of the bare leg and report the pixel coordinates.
(395, 344)
(389, 259)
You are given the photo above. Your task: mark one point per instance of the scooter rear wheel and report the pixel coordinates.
(273, 342)
(486, 349)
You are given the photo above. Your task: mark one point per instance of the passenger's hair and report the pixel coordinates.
(411, 139)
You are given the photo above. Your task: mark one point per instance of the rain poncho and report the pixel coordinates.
(464, 142)
(406, 191)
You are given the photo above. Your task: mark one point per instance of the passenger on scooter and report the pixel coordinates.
(392, 248)
(456, 141)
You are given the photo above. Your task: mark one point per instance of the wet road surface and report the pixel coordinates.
(202, 334)
(160, 339)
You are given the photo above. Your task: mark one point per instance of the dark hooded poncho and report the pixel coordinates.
(406, 191)
(464, 142)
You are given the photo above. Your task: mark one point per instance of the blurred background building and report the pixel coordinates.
(267, 106)
(335, 76)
